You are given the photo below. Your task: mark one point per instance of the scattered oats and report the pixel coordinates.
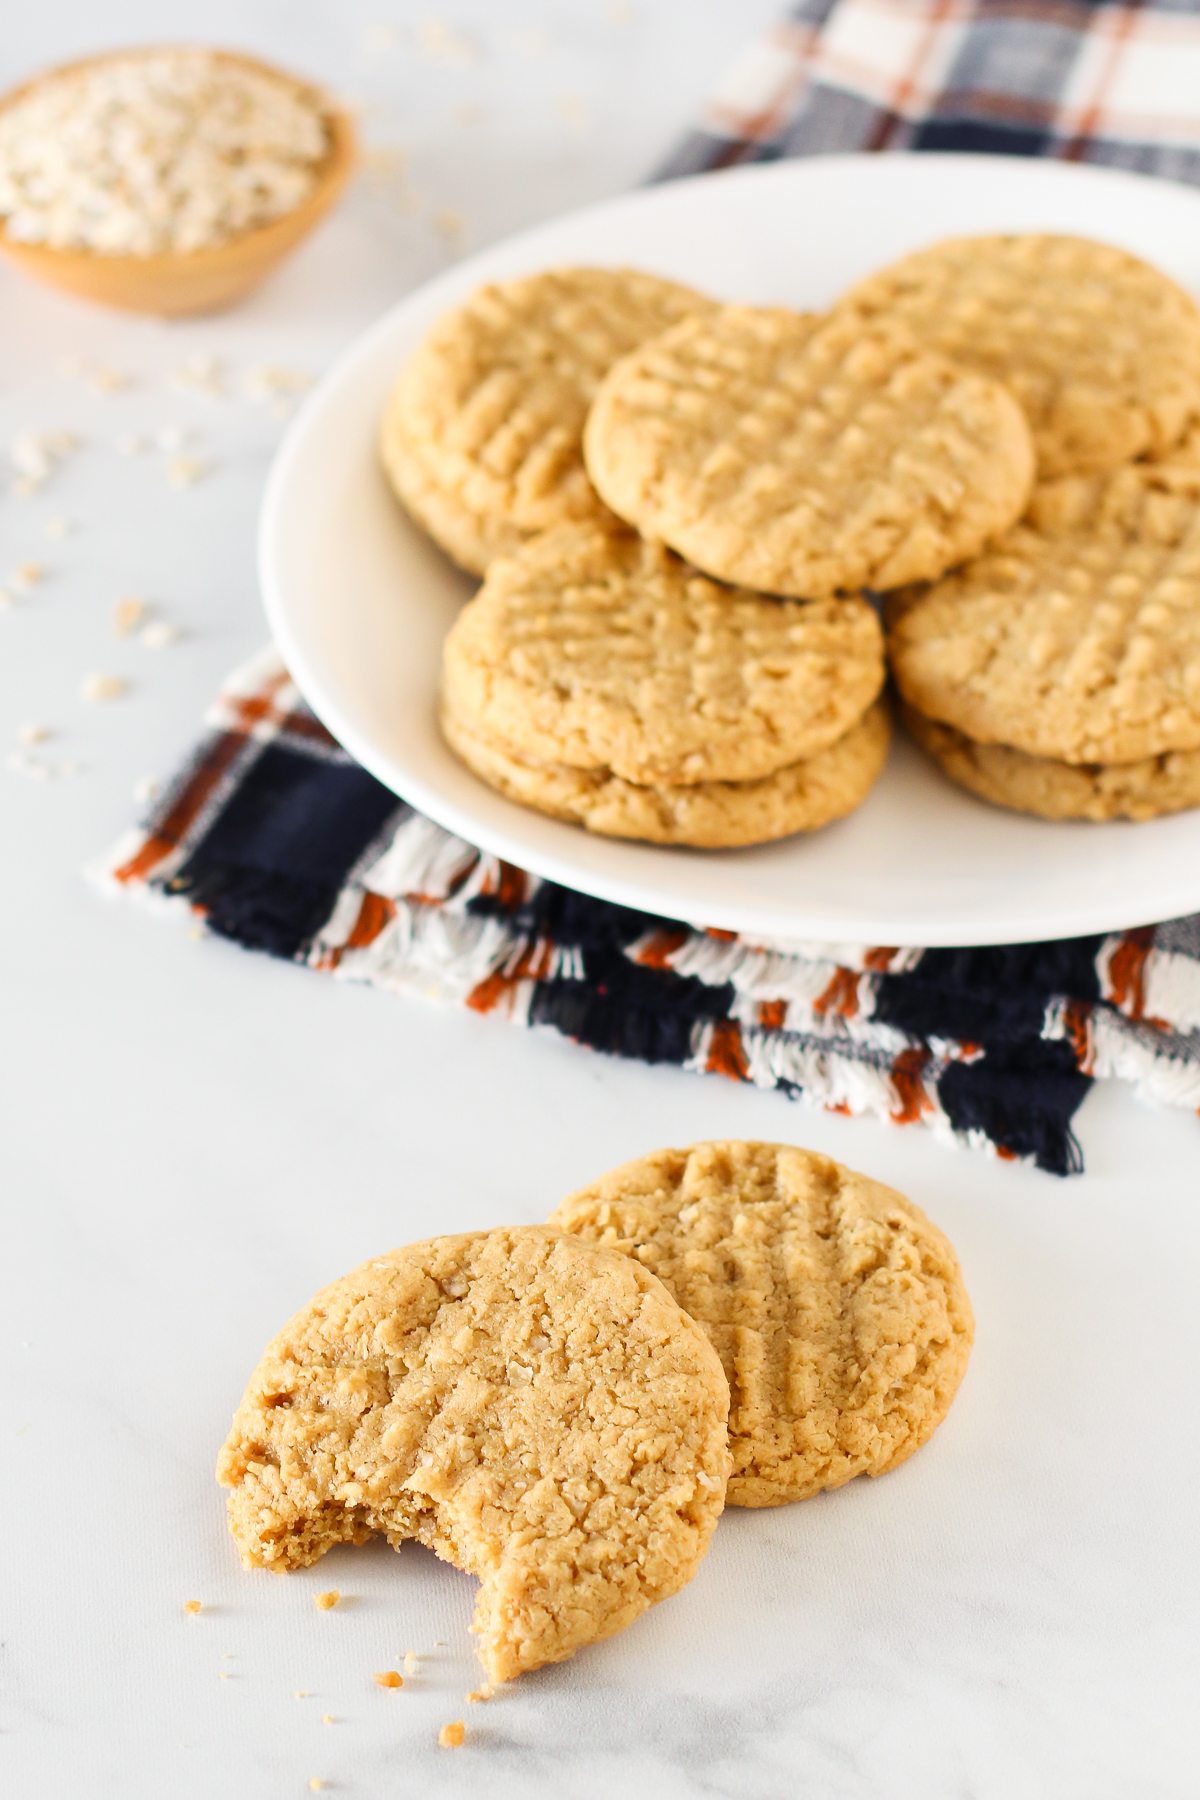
(130, 443)
(160, 634)
(449, 225)
(127, 616)
(573, 110)
(410, 1662)
(59, 528)
(26, 574)
(326, 1600)
(200, 375)
(33, 734)
(191, 1607)
(143, 792)
(451, 1736)
(182, 471)
(105, 381)
(469, 113)
(172, 437)
(23, 764)
(103, 687)
(443, 44)
(390, 1678)
(156, 150)
(267, 382)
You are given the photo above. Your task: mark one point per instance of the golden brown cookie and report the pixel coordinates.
(533, 1408)
(803, 456)
(595, 649)
(481, 437)
(1102, 350)
(1059, 790)
(838, 1310)
(708, 815)
(1078, 636)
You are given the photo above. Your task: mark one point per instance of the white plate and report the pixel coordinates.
(360, 601)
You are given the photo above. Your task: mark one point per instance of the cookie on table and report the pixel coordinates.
(805, 456)
(535, 1409)
(838, 1309)
(481, 436)
(596, 649)
(1078, 636)
(708, 815)
(1059, 790)
(1101, 349)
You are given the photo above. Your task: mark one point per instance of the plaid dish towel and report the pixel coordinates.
(281, 842)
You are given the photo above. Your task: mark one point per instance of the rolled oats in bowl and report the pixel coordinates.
(157, 152)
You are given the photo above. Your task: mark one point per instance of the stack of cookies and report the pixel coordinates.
(565, 1410)
(1058, 673)
(685, 513)
(677, 508)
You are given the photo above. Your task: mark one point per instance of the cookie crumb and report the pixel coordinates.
(328, 1719)
(27, 574)
(410, 1662)
(390, 1678)
(58, 528)
(316, 1784)
(103, 687)
(145, 789)
(451, 1736)
(192, 1607)
(329, 1598)
(183, 471)
(483, 1693)
(127, 616)
(33, 734)
(109, 381)
(224, 1675)
(302, 1694)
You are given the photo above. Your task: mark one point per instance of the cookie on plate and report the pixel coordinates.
(537, 1410)
(707, 815)
(838, 1310)
(481, 436)
(1060, 790)
(595, 649)
(1078, 636)
(805, 456)
(1101, 349)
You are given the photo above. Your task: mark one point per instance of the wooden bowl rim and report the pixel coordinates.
(332, 172)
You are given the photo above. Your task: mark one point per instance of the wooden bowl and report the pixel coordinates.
(193, 281)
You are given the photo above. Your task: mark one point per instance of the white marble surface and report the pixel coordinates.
(194, 1139)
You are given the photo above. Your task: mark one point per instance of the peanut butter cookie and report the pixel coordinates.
(537, 1410)
(481, 437)
(709, 815)
(838, 1310)
(1059, 790)
(595, 649)
(1078, 636)
(803, 456)
(1102, 350)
